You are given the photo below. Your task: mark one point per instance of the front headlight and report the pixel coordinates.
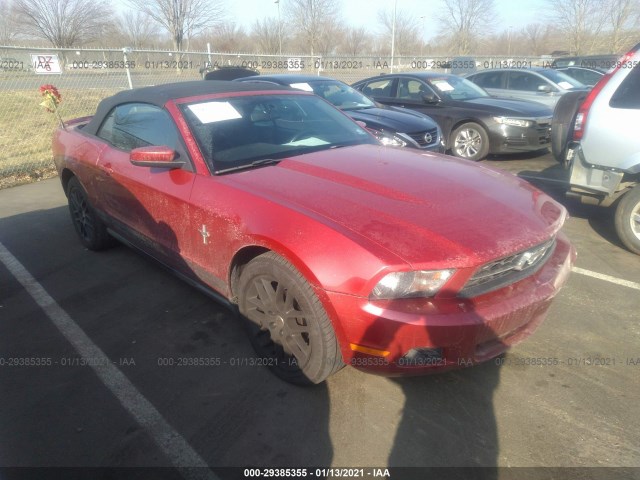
(388, 139)
(420, 283)
(514, 122)
(394, 141)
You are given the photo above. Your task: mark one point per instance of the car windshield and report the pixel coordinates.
(561, 79)
(341, 95)
(456, 88)
(247, 131)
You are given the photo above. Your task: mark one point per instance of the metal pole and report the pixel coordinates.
(126, 50)
(279, 29)
(422, 40)
(393, 33)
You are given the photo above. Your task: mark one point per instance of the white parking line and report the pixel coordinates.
(607, 278)
(172, 444)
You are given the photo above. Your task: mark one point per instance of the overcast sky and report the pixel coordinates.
(512, 13)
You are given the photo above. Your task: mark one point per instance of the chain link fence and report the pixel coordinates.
(87, 76)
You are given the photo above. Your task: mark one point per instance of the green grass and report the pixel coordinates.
(26, 129)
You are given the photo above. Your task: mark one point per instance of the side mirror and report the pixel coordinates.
(430, 98)
(544, 88)
(155, 156)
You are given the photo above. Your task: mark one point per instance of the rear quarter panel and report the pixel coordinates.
(611, 137)
(77, 153)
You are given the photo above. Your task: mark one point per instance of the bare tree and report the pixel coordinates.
(64, 23)
(536, 35)
(137, 29)
(356, 41)
(581, 20)
(183, 19)
(310, 18)
(264, 33)
(229, 37)
(623, 18)
(461, 19)
(8, 19)
(330, 39)
(407, 31)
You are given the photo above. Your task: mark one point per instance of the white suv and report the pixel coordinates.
(597, 135)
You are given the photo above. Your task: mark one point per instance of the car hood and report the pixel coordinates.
(403, 121)
(503, 106)
(428, 209)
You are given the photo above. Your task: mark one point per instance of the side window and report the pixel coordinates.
(584, 76)
(134, 125)
(410, 89)
(589, 78)
(378, 88)
(575, 73)
(628, 93)
(489, 79)
(524, 81)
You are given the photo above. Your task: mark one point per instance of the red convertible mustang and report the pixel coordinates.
(334, 249)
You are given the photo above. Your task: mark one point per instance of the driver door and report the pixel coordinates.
(147, 206)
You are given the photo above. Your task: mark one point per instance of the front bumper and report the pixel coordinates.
(456, 332)
(511, 139)
(436, 148)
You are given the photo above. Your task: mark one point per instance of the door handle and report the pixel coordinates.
(106, 168)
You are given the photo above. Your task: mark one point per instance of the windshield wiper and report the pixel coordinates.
(256, 163)
(357, 107)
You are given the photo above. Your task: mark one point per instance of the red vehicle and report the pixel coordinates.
(334, 249)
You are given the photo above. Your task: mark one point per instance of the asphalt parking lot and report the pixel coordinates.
(107, 376)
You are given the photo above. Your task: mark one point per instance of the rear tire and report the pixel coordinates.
(90, 229)
(287, 324)
(628, 220)
(564, 117)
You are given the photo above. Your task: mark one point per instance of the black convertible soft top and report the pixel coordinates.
(159, 95)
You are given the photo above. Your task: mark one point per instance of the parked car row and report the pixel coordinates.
(427, 111)
(473, 122)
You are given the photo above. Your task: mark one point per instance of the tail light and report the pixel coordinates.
(583, 112)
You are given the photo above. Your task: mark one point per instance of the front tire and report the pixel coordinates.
(90, 229)
(628, 220)
(288, 327)
(470, 141)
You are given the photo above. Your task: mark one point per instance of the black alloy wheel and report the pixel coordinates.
(288, 327)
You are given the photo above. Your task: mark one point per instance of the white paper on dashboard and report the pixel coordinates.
(302, 86)
(211, 112)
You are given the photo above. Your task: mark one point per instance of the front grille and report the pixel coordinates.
(543, 127)
(516, 141)
(419, 137)
(508, 270)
